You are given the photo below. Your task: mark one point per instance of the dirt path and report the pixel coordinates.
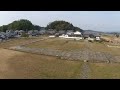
(85, 74)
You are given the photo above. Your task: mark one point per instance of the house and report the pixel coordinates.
(30, 32)
(43, 31)
(57, 34)
(86, 35)
(72, 35)
(21, 32)
(10, 33)
(69, 32)
(77, 34)
(36, 31)
(33, 32)
(90, 35)
(18, 33)
(97, 36)
(3, 36)
(50, 32)
(61, 32)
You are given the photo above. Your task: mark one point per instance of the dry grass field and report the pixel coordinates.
(14, 64)
(21, 65)
(15, 42)
(59, 44)
(68, 45)
(105, 71)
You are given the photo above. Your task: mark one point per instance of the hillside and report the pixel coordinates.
(92, 31)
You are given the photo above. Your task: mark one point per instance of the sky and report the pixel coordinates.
(107, 21)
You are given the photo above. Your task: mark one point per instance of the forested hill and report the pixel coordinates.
(62, 25)
(21, 24)
(24, 24)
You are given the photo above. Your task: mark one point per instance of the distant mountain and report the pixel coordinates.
(112, 32)
(92, 32)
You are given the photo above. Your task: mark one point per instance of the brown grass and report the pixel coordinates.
(5, 55)
(59, 44)
(15, 42)
(15, 64)
(68, 45)
(105, 71)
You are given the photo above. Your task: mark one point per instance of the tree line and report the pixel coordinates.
(24, 24)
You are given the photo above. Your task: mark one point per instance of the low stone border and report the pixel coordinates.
(85, 55)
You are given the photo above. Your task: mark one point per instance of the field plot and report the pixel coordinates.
(105, 71)
(17, 41)
(77, 50)
(72, 45)
(16, 64)
(25, 65)
(59, 44)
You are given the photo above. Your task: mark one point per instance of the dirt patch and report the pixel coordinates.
(5, 55)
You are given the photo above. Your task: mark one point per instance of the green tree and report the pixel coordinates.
(3, 28)
(21, 24)
(78, 29)
(62, 25)
(37, 27)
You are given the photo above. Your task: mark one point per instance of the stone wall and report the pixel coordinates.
(87, 55)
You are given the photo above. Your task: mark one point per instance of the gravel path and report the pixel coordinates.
(85, 74)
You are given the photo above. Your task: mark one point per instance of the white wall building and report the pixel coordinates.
(76, 35)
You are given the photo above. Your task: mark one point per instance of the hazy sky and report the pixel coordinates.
(93, 20)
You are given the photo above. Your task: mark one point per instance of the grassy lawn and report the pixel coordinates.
(105, 71)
